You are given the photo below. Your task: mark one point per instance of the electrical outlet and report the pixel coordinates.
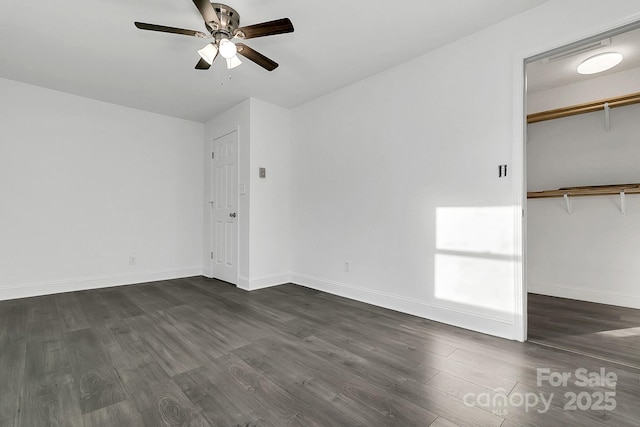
(347, 266)
(132, 260)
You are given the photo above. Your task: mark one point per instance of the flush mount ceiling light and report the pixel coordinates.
(599, 63)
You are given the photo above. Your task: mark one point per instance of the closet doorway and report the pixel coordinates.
(583, 198)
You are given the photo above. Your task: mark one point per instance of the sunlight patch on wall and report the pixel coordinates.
(482, 230)
(474, 262)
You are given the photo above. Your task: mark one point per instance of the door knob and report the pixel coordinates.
(233, 214)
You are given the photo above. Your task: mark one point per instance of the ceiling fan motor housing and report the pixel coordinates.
(229, 20)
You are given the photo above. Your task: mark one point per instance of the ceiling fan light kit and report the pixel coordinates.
(233, 62)
(227, 49)
(223, 24)
(209, 53)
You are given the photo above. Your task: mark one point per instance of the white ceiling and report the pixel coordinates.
(562, 72)
(92, 49)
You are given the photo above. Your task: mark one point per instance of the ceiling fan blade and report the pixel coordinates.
(256, 57)
(207, 12)
(271, 28)
(163, 29)
(202, 65)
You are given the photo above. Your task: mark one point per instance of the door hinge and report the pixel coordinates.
(211, 255)
(213, 155)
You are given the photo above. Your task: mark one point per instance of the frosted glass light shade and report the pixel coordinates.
(227, 49)
(208, 53)
(233, 62)
(599, 63)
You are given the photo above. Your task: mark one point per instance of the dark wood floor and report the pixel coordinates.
(604, 331)
(197, 352)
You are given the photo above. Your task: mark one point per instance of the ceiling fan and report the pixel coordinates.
(223, 25)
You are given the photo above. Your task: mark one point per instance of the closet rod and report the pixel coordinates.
(589, 107)
(592, 190)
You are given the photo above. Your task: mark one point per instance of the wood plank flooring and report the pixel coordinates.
(198, 352)
(604, 331)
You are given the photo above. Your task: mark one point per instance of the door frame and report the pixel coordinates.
(519, 153)
(211, 246)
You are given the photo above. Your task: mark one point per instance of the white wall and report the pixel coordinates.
(264, 209)
(397, 174)
(85, 185)
(609, 86)
(593, 253)
(270, 239)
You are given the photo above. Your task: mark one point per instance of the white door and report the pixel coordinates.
(224, 208)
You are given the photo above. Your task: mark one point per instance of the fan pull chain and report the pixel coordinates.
(221, 75)
(222, 80)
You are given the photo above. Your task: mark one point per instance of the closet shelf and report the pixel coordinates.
(589, 107)
(595, 190)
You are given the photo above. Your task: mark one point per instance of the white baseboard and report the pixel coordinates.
(453, 316)
(84, 283)
(261, 282)
(582, 294)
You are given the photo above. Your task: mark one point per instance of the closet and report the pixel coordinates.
(583, 203)
(605, 106)
(583, 227)
(583, 198)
